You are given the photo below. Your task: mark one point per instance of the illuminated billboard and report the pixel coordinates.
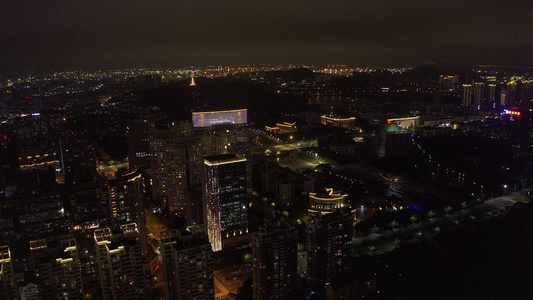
(210, 118)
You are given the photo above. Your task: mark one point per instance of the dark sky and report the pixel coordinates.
(43, 34)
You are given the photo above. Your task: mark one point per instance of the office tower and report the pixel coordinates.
(120, 263)
(329, 246)
(226, 198)
(127, 205)
(7, 282)
(275, 261)
(467, 95)
(139, 143)
(243, 149)
(168, 163)
(478, 93)
(57, 268)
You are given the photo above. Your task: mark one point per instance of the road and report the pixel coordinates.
(154, 225)
(388, 245)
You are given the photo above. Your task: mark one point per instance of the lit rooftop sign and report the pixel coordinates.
(210, 118)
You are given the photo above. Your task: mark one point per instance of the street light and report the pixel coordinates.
(504, 189)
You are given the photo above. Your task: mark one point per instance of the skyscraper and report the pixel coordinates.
(329, 246)
(275, 261)
(168, 162)
(226, 198)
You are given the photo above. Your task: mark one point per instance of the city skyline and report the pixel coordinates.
(98, 34)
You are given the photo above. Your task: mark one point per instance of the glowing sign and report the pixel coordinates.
(209, 118)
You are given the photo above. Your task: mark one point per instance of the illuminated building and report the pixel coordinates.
(492, 93)
(284, 127)
(120, 264)
(329, 246)
(478, 93)
(210, 118)
(168, 162)
(326, 202)
(84, 234)
(406, 123)
(126, 204)
(226, 198)
(57, 269)
(335, 121)
(467, 95)
(275, 261)
(7, 280)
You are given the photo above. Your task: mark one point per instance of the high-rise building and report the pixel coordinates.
(78, 161)
(187, 262)
(329, 246)
(168, 162)
(478, 93)
(7, 281)
(491, 93)
(275, 261)
(120, 263)
(84, 234)
(226, 198)
(57, 269)
(192, 263)
(467, 95)
(139, 143)
(126, 204)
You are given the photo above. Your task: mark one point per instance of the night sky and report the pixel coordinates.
(44, 34)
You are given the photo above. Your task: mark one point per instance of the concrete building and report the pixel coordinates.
(57, 268)
(275, 261)
(7, 280)
(192, 265)
(120, 263)
(329, 246)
